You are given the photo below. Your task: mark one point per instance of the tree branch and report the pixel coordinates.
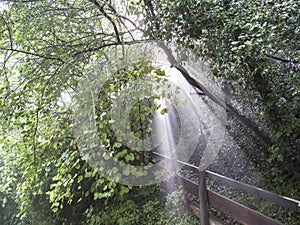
(34, 136)
(281, 59)
(101, 9)
(180, 68)
(150, 7)
(32, 53)
(121, 21)
(93, 49)
(194, 83)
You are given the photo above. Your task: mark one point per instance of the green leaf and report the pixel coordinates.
(164, 111)
(80, 178)
(111, 121)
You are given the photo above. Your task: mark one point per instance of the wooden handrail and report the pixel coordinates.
(257, 192)
(231, 208)
(236, 210)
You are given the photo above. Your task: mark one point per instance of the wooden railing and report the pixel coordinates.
(235, 210)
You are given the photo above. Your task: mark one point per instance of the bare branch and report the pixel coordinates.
(93, 49)
(101, 9)
(34, 136)
(180, 68)
(32, 53)
(121, 21)
(281, 59)
(229, 108)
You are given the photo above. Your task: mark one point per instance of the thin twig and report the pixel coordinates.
(281, 59)
(32, 53)
(93, 49)
(101, 9)
(34, 136)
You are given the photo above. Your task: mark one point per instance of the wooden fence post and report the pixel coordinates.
(204, 218)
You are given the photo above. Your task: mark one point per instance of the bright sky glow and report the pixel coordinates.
(2, 6)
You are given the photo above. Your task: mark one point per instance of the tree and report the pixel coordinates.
(47, 47)
(253, 46)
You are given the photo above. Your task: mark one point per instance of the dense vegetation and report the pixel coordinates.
(253, 46)
(48, 47)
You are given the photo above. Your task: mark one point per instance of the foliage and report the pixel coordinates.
(141, 112)
(141, 208)
(55, 182)
(46, 48)
(253, 46)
